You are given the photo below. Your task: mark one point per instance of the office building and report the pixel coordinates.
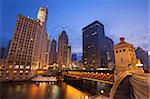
(74, 57)
(2, 52)
(62, 50)
(29, 49)
(94, 48)
(69, 58)
(109, 44)
(53, 53)
(143, 57)
(7, 49)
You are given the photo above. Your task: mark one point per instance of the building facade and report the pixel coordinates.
(94, 50)
(109, 44)
(29, 48)
(53, 53)
(68, 66)
(2, 52)
(7, 49)
(143, 57)
(62, 50)
(74, 57)
(124, 55)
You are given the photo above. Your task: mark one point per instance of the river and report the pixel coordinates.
(30, 90)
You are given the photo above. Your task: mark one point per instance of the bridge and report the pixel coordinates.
(98, 76)
(134, 82)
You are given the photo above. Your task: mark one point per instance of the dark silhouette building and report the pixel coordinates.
(110, 52)
(7, 49)
(94, 48)
(53, 53)
(2, 52)
(74, 57)
(143, 56)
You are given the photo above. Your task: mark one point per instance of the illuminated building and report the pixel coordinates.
(94, 46)
(29, 49)
(69, 57)
(62, 50)
(124, 55)
(53, 53)
(143, 56)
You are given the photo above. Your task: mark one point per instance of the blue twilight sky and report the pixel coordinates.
(127, 18)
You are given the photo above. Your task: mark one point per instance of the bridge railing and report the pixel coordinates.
(140, 86)
(119, 78)
(93, 75)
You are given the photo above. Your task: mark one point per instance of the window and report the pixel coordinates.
(121, 59)
(93, 61)
(21, 66)
(89, 46)
(116, 51)
(94, 33)
(120, 51)
(15, 71)
(85, 62)
(124, 50)
(16, 66)
(27, 71)
(10, 66)
(21, 71)
(87, 35)
(27, 67)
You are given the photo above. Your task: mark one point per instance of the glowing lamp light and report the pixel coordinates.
(86, 97)
(139, 65)
(102, 91)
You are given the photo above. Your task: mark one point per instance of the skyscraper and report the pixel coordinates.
(29, 47)
(69, 57)
(2, 52)
(143, 56)
(7, 49)
(43, 16)
(62, 50)
(53, 53)
(74, 57)
(109, 44)
(94, 50)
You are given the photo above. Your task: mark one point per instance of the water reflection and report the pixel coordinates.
(28, 90)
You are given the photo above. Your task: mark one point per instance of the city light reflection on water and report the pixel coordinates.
(30, 90)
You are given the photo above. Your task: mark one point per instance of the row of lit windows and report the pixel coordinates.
(20, 66)
(94, 33)
(21, 71)
(26, 21)
(93, 61)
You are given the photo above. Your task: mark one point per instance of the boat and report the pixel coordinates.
(41, 78)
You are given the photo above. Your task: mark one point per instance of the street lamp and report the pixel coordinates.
(102, 92)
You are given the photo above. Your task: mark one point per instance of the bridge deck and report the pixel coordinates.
(97, 80)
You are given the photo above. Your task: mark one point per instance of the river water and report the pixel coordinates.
(30, 90)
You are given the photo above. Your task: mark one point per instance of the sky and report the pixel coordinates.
(121, 18)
